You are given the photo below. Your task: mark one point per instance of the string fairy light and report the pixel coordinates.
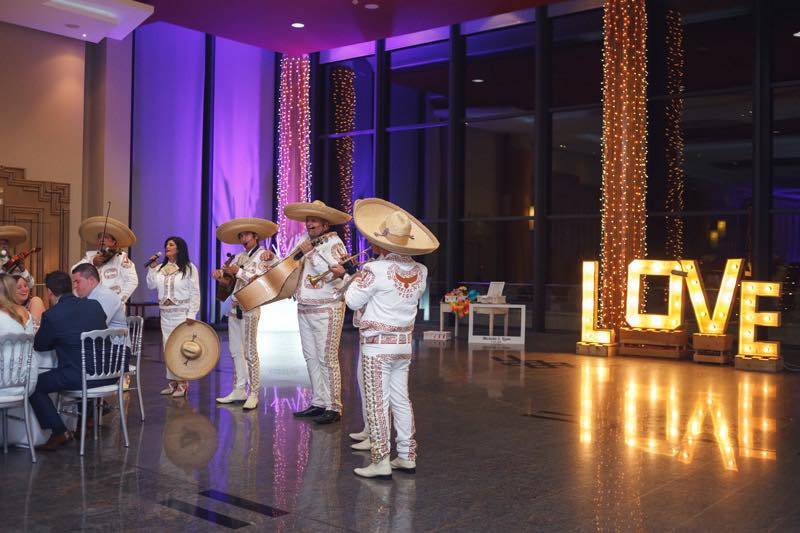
(294, 130)
(673, 135)
(624, 187)
(343, 100)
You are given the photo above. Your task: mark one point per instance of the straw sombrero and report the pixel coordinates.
(13, 234)
(94, 226)
(229, 231)
(192, 350)
(389, 226)
(300, 210)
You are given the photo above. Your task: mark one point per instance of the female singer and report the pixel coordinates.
(25, 298)
(177, 281)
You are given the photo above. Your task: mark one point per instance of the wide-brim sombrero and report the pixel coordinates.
(229, 231)
(301, 210)
(391, 227)
(192, 350)
(13, 234)
(93, 227)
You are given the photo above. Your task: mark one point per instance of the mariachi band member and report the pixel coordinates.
(178, 284)
(387, 293)
(250, 263)
(10, 237)
(320, 310)
(111, 236)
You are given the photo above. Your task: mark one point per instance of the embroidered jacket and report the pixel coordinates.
(251, 265)
(387, 294)
(325, 254)
(119, 274)
(174, 287)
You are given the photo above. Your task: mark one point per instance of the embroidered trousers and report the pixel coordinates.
(242, 343)
(384, 370)
(320, 333)
(172, 316)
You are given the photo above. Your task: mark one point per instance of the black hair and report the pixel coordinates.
(58, 282)
(87, 270)
(182, 257)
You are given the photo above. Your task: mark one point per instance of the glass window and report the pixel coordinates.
(715, 39)
(349, 90)
(784, 26)
(418, 89)
(571, 243)
(349, 160)
(786, 269)
(711, 239)
(436, 264)
(500, 72)
(499, 167)
(576, 162)
(577, 59)
(714, 138)
(786, 148)
(418, 171)
(498, 251)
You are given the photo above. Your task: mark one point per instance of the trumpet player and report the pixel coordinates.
(248, 264)
(320, 308)
(117, 271)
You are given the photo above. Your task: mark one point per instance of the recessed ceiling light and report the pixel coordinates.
(298, 25)
(371, 6)
(477, 80)
(72, 26)
(84, 35)
(796, 34)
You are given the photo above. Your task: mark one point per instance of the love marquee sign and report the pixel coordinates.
(685, 273)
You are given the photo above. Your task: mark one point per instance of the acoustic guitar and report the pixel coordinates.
(226, 284)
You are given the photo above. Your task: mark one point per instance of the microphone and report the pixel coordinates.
(152, 259)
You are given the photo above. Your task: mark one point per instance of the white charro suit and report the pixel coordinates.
(118, 274)
(243, 325)
(320, 312)
(388, 293)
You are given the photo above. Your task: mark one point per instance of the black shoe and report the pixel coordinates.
(308, 412)
(328, 417)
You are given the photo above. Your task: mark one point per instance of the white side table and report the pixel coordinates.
(505, 340)
(445, 308)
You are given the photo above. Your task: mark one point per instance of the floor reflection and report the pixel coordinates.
(654, 422)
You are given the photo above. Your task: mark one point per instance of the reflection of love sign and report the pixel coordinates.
(709, 322)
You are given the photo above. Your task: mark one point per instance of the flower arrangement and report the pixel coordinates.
(459, 300)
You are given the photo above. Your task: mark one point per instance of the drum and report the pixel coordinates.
(279, 283)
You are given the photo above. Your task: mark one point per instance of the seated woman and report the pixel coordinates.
(14, 318)
(26, 298)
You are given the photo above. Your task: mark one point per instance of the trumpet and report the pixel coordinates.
(316, 280)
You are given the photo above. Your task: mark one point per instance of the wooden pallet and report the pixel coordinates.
(654, 343)
(758, 364)
(716, 349)
(597, 350)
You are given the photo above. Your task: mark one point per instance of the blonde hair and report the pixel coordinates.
(8, 302)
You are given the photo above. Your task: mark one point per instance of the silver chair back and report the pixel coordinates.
(135, 329)
(16, 355)
(103, 354)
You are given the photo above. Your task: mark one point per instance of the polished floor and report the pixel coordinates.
(508, 441)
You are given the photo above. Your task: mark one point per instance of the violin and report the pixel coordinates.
(104, 255)
(16, 261)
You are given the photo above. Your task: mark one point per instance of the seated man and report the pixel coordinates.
(61, 330)
(86, 284)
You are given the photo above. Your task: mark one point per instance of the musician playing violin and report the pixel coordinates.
(11, 236)
(250, 263)
(117, 271)
(320, 309)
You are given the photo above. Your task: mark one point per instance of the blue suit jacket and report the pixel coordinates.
(61, 329)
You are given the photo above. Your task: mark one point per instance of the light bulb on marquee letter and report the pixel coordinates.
(749, 319)
(644, 267)
(589, 331)
(717, 322)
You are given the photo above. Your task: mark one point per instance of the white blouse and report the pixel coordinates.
(175, 288)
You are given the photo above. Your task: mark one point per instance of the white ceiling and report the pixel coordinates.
(88, 20)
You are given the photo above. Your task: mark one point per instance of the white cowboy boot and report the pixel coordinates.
(404, 465)
(251, 402)
(381, 470)
(361, 435)
(362, 446)
(236, 395)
